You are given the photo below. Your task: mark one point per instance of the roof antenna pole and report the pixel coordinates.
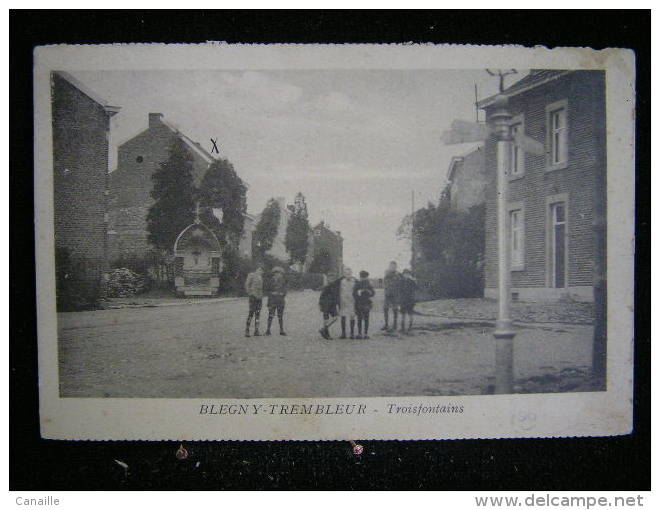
(476, 103)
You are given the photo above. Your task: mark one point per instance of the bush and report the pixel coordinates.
(302, 281)
(234, 272)
(124, 283)
(74, 291)
(269, 262)
(152, 266)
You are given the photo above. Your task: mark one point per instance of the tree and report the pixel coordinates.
(322, 262)
(297, 231)
(174, 195)
(222, 188)
(450, 245)
(266, 230)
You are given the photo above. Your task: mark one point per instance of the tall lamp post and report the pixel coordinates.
(504, 334)
(499, 127)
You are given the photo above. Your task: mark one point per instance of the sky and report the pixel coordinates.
(356, 143)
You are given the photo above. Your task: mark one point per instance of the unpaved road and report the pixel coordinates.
(198, 350)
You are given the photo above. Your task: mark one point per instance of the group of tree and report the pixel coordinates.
(296, 238)
(267, 228)
(450, 248)
(297, 231)
(176, 199)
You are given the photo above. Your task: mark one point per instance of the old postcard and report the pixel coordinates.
(308, 242)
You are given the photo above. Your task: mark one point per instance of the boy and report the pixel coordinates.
(254, 286)
(276, 294)
(347, 302)
(362, 293)
(407, 288)
(328, 303)
(391, 286)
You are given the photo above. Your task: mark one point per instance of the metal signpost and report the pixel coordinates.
(504, 334)
(500, 126)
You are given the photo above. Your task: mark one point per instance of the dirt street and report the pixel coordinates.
(198, 350)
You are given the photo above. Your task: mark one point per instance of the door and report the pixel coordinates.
(558, 244)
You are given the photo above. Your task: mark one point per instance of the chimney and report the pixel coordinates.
(154, 118)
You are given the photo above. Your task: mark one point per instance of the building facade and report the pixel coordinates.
(81, 125)
(556, 199)
(467, 180)
(326, 248)
(131, 184)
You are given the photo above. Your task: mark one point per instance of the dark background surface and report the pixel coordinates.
(534, 464)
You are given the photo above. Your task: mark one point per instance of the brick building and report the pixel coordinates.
(556, 198)
(326, 243)
(131, 184)
(467, 180)
(81, 124)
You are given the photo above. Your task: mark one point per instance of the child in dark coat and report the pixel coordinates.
(407, 288)
(362, 293)
(276, 299)
(329, 304)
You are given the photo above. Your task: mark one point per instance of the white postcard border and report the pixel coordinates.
(483, 416)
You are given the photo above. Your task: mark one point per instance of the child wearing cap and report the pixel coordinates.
(407, 288)
(276, 299)
(362, 293)
(254, 288)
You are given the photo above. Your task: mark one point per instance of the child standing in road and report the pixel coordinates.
(276, 294)
(407, 288)
(347, 302)
(328, 303)
(362, 293)
(391, 284)
(254, 286)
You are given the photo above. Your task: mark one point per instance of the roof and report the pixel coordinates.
(110, 109)
(457, 159)
(535, 78)
(210, 236)
(196, 147)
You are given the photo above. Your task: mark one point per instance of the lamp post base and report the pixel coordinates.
(504, 335)
(504, 329)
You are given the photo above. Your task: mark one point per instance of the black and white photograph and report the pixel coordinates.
(417, 234)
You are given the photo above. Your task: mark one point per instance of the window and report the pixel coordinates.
(517, 239)
(557, 136)
(558, 245)
(517, 153)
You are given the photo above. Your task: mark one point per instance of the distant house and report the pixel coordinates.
(131, 184)
(81, 125)
(326, 249)
(467, 180)
(554, 199)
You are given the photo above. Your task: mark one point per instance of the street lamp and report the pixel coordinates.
(504, 334)
(499, 127)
